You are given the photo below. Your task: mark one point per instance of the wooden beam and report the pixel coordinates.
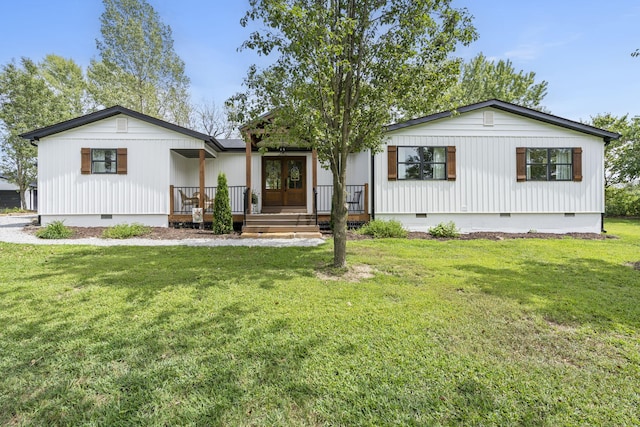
(171, 200)
(201, 195)
(366, 198)
(248, 165)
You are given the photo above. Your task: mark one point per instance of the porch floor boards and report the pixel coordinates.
(281, 225)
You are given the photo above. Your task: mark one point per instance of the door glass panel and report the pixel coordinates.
(274, 175)
(294, 178)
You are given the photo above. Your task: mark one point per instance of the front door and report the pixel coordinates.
(284, 182)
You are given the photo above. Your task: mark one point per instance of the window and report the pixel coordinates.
(549, 164)
(422, 163)
(104, 160)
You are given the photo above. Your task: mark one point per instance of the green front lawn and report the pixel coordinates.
(513, 332)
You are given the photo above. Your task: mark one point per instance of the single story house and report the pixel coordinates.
(490, 166)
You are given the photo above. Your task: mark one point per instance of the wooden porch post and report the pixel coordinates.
(201, 195)
(366, 199)
(248, 165)
(171, 200)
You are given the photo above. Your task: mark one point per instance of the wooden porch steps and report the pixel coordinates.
(282, 225)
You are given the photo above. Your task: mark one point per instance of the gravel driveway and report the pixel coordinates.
(11, 231)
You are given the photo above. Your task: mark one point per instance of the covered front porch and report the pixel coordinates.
(284, 182)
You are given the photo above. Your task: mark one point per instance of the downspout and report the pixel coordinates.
(373, 185)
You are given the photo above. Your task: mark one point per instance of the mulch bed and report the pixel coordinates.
(169, 233)
(416, 235)
(157, 233)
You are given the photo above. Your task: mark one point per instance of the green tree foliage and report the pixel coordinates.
(623, 200)
(67, 81)
(31, 97)
(345, 68)
(622, 156)
(482, 79)
(222, 218)
(138, 67)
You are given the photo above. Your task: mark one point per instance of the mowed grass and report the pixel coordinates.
(513, 332)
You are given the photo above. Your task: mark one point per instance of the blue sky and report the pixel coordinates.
(581, 47)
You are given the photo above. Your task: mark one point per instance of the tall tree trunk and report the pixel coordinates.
(23, 199)
(339, 215)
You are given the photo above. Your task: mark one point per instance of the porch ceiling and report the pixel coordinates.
(193, 153)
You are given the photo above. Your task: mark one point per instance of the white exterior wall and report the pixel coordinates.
(486, 185)
(141, 195)
(358, 170)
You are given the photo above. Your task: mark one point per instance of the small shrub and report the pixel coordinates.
(447, 230)
(380, 229)
(125, 231)
(55, 230)
(222, 217)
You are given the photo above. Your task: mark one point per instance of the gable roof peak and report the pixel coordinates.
(514, 109)
(35, 135)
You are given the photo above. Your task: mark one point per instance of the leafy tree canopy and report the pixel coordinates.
(482, 79)
(344, 69)
(32, 96)
(138, 67)
(622, 156)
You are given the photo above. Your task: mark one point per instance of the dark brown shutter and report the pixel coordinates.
(451, 163)
(122, 161)
(521, 167)
(577, 164)
(392, 151)
(85, 161)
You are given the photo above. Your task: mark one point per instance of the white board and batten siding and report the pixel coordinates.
(141, 195)
(485, 195)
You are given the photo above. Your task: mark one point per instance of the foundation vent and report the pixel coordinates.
(505, 215)
(569, 214)
(106, 216)
(421, 215)
(487, 118)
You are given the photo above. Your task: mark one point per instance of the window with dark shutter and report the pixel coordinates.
(549, 164)
(392, 152)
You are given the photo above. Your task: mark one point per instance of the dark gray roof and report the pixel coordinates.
(113, 111)
(232, 144)
(515, 109)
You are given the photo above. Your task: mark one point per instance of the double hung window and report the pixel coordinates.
(422, 163)
(104, 160)
(549, 164)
